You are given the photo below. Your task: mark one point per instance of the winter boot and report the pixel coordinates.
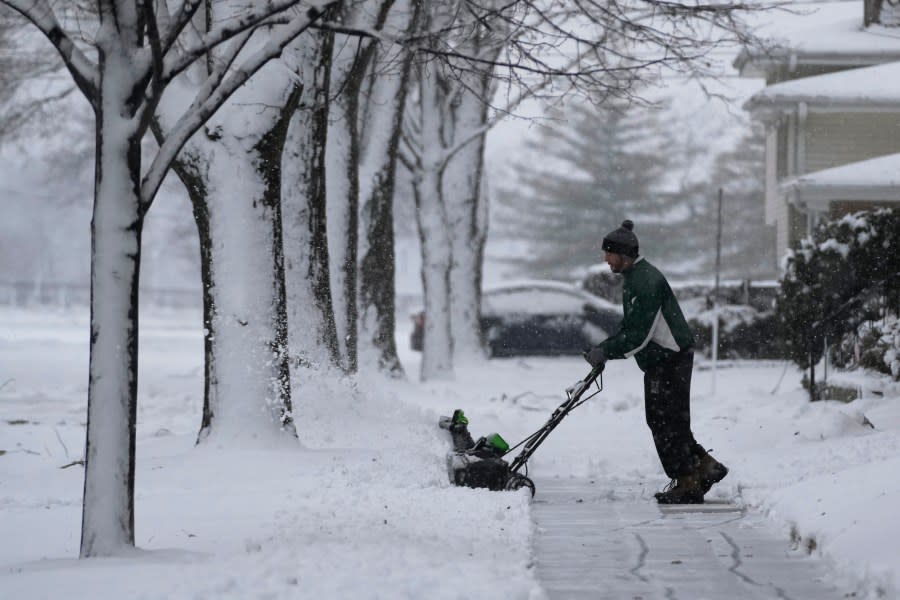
(710, 471)
(684, 490)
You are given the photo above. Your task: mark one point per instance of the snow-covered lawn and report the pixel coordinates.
(361, 508)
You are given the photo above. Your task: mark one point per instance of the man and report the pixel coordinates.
(655, 332)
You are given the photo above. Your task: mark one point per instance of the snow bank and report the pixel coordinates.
(361, 507)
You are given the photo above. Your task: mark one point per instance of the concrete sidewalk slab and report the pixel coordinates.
(599, 539)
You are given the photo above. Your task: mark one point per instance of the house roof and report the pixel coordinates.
(830, 34)
(872, 88)
(875, 179)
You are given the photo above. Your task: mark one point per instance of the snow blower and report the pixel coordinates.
(480, 463)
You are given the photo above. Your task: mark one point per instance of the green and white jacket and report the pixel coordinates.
(653, 328)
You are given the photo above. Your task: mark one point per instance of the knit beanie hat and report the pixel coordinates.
(622, 240)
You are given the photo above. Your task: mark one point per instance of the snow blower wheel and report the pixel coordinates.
(480, 463)
(517, 482)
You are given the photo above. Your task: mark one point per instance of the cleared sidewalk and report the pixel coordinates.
(610, 540)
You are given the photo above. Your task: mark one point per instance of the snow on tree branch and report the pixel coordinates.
(617, 42)
(215, 92)
(83, 70)
(223, 32)
(156, 58)
(175, 24)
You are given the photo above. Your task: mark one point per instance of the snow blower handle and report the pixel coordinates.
(577, 388)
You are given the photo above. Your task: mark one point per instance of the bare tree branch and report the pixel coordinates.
(619, 41)
(177, 63)
(83, 70)
(157, 57)
(178, 22)
(215, 93)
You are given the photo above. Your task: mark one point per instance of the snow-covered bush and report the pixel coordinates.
(875, 345)
(844, 275)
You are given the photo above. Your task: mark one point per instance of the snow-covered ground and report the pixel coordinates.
(361, 507)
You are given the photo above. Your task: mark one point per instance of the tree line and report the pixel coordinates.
(286, 121)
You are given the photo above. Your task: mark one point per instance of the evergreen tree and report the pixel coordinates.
(601, 166)
(748, 244)
(597, 166)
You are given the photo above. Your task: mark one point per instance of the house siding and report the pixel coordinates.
(805, 137)
(782, 229)
(791, 225)
(772, 199)
(835, 139)
(781, 162)
(786, 73)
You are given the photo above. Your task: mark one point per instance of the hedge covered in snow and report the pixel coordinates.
(841, 289)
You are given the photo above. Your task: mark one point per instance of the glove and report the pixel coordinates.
(596, 357)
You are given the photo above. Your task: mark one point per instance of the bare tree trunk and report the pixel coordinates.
(269, 149)
(313, 334)
(235, 186)
(448, 143)
(195, 184)
(344, 156)
(116, 226)
(467, 208)
(376, 289)
(437, 345)
(349, 67)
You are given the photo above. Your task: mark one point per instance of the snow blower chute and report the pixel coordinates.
(480, 464)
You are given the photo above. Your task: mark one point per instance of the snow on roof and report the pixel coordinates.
(830, 33)
(876, 179)
(875, 87)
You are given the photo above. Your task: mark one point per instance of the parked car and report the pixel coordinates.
(538, 318)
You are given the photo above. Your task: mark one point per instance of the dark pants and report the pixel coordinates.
(667, 402)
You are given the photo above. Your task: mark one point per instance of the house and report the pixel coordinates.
(831, 107)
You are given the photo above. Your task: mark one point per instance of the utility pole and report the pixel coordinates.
(715, 328)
